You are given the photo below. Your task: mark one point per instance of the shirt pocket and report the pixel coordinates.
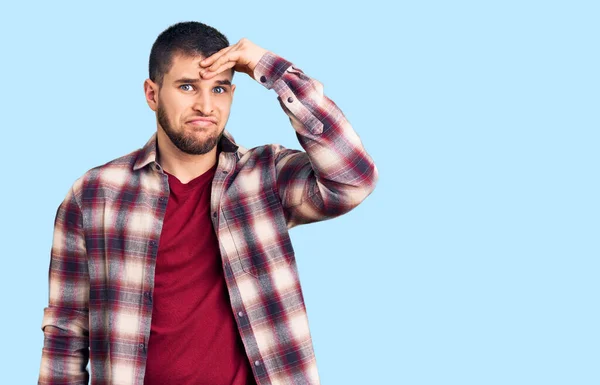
(259, 230)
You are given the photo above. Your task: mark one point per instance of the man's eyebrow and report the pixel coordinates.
(186, 80)
(194, 81)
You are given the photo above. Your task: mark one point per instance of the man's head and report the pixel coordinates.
(190, 110)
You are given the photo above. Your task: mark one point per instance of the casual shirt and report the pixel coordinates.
(108, 227)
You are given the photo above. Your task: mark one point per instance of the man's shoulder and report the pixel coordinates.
(265, 151)
(115, 172)
(123, 163)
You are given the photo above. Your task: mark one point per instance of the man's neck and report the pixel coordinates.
(184, 167)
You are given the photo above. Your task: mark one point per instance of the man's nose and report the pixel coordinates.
(204, 103)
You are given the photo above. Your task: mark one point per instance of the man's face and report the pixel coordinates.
(193, 111)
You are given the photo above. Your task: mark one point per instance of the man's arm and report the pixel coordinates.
(335, 173)
(65, 324)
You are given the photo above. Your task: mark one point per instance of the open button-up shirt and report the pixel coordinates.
(108, 227)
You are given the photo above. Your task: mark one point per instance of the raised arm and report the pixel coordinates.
(334, 173)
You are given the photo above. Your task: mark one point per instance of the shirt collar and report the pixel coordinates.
(147, 154)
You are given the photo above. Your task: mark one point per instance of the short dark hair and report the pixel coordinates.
(189, 38)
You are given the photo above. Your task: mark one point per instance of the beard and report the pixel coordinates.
(187, 143)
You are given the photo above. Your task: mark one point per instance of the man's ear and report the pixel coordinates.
(232, 89)
(151, 93)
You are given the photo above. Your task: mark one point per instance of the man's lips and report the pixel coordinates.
(202, 121)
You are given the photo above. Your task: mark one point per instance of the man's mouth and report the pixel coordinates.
(202, 122)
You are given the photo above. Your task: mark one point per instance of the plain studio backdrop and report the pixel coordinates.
(476, 259)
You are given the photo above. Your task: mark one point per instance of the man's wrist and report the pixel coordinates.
(270, 68)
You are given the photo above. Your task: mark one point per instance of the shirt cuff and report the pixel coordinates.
(270, 68)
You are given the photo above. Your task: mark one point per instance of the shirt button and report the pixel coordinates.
(263, 79)
(148, 296)
(162, 199)
(290, 99)
(241, 314)
(215, 214)
(224, 172)
(141, 346)
(153, 243)
(256, 363)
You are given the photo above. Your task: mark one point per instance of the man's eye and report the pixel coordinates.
(186, 85)
(219, 90)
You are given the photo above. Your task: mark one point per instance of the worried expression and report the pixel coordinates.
(193, 111)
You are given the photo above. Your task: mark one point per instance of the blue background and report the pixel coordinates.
(476, 259)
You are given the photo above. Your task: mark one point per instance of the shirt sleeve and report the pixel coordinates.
(334, 173)
(65, 353)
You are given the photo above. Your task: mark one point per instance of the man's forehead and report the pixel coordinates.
(189, 66)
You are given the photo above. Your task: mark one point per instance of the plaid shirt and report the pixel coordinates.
(107, 230)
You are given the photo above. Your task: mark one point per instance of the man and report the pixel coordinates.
(173, 264)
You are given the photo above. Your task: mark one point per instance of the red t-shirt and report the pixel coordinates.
(194, 338)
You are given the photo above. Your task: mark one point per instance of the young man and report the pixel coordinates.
(173, 264)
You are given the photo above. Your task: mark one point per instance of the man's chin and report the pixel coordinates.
(195, 147)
